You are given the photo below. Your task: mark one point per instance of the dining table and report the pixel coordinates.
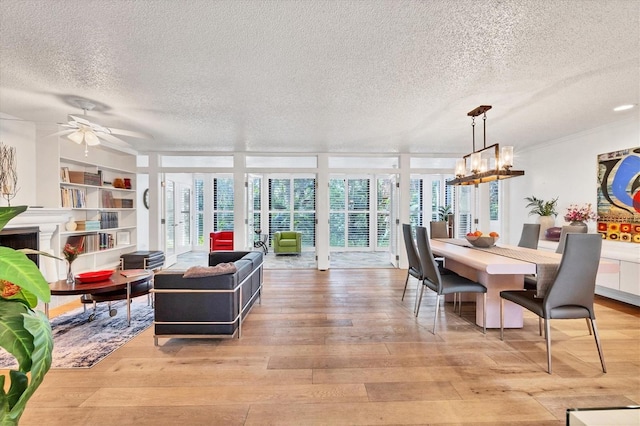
(494, 271)
(501, 267)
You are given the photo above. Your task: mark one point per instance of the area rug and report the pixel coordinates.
(78, 343)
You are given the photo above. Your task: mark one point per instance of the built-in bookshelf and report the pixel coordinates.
(100, 194)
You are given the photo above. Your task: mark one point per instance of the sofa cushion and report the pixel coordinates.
(225, 256)
(285, 242)
(209, 271)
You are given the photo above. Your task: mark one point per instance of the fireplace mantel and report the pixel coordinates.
(36, 216)
(48, 221)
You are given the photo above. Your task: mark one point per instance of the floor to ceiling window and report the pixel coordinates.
(431, 199)
(349, 212)
(223, 203)
(292, 206)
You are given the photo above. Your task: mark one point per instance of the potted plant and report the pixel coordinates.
(444, 212)
(24, 332)
(546, 211)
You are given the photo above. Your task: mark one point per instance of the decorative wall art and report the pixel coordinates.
(619, 195)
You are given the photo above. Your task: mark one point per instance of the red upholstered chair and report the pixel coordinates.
(221, 240)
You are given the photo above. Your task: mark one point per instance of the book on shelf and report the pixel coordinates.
(73, 197)
(133, 272)
(108, 220)
(64, 174)
(88, 225)
(77, 241)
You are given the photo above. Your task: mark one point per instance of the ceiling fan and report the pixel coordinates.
(80, 130)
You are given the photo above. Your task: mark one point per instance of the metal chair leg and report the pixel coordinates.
(540, 325)
(416, 308)
(405, 285)
(547, 333)
(501, 318)
(599, 346)
(589, 326)
(435, 319)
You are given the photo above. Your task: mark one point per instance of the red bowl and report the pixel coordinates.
(94, 277)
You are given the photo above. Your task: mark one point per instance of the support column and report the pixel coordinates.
(240, 203)
(156, 210)
(404, 198)
(322, 212)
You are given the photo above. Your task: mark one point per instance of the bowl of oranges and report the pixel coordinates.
(478, 239)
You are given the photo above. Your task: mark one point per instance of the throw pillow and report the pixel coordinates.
(209, 271)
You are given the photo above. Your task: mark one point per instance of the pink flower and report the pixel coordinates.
(582, 213)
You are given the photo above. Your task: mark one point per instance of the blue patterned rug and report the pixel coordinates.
(78, 343)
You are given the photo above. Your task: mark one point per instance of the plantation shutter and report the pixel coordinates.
(383, 211)
(279, 206)
(304, 209)
(337, 207)
(199, 201)
(358, 212)
(416, 197)
(223, 204)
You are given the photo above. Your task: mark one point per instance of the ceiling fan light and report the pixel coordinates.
(91, 138)
(77, 136)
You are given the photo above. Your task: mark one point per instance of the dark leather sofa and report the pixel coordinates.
(207, 306)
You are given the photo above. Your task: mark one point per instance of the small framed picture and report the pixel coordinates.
(123, 238)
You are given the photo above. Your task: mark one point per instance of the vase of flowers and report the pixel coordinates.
(70, 253)
(577, 215)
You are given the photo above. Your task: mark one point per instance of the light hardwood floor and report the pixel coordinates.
(340, 347)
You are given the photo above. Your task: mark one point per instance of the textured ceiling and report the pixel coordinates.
(347, 76)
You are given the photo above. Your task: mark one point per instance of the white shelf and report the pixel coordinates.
(96, 231)
(103, 188)
(116, 248)
(111, 165)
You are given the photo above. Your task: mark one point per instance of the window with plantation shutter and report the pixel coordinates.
(464, 224)
(383, 211)
(494, 200)
(292, 206)
(304, 209)
(350, 212)
(199, 213)
(337, 207)
(223, 204)
(416, 198)
(449, 199)
(257, 202)
(279, 206)
(435, 199)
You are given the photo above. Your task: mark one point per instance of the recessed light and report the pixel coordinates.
(623, 107)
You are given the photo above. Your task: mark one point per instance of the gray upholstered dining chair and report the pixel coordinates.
(438, 229)
(530, 281)
(443, 284)
(567, 230)
(529, 236)
(415, 269)
(571, 294)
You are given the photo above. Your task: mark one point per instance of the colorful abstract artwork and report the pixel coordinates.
(619, 195)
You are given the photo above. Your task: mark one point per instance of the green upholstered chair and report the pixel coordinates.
(287, 242)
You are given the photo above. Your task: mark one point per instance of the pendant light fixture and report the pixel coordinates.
(486, 164)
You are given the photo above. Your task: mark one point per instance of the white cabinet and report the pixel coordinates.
(630, 277)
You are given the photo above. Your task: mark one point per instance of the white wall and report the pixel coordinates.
(142, 183)
(22, 136)
(566, 168)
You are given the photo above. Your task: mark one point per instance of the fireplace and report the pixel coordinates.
(19, 238)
